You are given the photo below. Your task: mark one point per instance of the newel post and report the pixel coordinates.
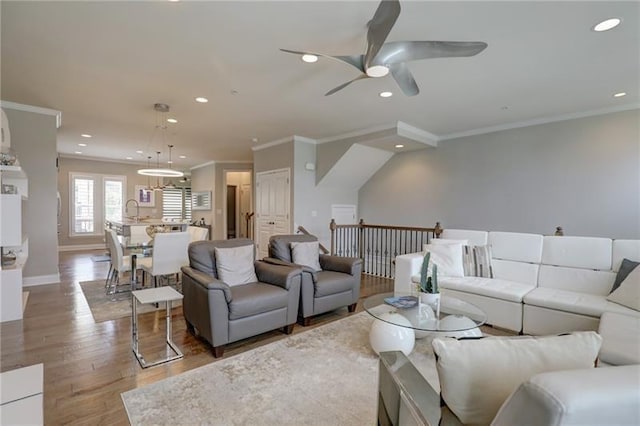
(559, 231)
(332, 227)
(361, 239)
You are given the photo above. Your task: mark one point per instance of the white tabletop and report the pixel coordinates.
(155, 295)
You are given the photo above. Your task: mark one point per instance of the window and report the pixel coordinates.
(176, 203)
(94, 199)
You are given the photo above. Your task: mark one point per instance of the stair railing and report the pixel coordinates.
(302, 230)
(378, 245)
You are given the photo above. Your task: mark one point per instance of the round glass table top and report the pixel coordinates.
(454, 314)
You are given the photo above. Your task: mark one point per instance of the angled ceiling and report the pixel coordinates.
(104, 65)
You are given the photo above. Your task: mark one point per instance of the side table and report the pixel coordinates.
(153, 295)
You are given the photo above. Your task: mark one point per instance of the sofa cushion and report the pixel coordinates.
(475, 238)
(577, 252)
(628, 294)
(573, 302)
(306, 254)
(620, 339)
(521, 272)
(448, 257)
(626, 266)
(575, 279)
(331, 282)
(491, 287)
(255, 298)
(477, 376)
(235, 265)
(625, 249)
(516, 246)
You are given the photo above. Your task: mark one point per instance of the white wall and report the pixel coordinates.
(582, 174)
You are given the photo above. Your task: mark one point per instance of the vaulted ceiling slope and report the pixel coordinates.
(104, 65)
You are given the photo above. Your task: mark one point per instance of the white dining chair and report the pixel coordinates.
(169, 255)
(197, 233)
(120, 264)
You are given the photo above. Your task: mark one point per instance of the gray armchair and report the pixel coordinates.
(337, 285)
(223, 314)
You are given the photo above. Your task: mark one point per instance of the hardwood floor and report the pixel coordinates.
(87, 365)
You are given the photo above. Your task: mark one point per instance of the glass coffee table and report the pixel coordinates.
(397, 328)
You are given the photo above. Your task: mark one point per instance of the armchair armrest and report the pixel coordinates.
(305, 268)
(207, 281)
(279, 275)
(347, 265)
(403, 391)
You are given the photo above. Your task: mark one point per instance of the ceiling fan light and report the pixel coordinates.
(309, 58)
(377, 71)
(607, 24)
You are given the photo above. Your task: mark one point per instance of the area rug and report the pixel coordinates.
(102, 258)
(109, 307)
(325, 376)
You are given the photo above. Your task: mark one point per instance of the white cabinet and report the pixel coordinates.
(21, 396)
(13, 195)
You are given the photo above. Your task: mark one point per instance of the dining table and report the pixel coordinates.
(136, 245)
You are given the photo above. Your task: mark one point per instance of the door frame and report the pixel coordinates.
(224, 194)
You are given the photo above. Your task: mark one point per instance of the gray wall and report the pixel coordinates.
(68, 165)
(582, 174)
(33, 138)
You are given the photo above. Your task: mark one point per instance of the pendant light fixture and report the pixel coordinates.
(170, 185)
(161, 124)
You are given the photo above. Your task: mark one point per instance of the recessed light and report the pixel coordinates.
(254, 140)
(84, 144)
(386, 94)
(607, 24)
(78, 152)
(309, 58)
(183, 156)
(129, 158)
(172, 120)
(620, 94)
(170, 162)
(202, 100)
(139, 151)
(399, 146)
(85, 135)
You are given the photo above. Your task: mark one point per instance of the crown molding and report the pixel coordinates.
(357, 133)
(102, 159)
(199, 166)
(274, 143)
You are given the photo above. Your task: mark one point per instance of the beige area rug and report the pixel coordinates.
(106, 308)
(325, 376)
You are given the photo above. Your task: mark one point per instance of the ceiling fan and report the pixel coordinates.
(381, 58)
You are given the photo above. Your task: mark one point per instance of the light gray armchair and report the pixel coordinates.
(337, 285)
(223, 314)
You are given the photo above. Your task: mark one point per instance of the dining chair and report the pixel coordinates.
(107, 241)
(197, 233)
(169, 255)
(120, 263)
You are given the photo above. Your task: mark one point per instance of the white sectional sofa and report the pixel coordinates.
(541, 284)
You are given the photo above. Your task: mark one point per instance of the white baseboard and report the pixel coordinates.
(79, 247)
(40, 280)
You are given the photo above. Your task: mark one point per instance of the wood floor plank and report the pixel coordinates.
(87, 365)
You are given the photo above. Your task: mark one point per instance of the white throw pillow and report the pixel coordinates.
(235, 265)
(448, 257)
(306, 254)
(440, 241)
(477, 376)
(628, 293)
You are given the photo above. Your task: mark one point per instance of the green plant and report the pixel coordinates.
(428, 283)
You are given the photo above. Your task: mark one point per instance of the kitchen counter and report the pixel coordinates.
(124, 227)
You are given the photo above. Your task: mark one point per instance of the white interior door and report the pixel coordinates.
(344, 214)
(272, 207)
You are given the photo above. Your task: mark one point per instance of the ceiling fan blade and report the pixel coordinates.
(402, 75)
(380, 27)
(404, 51)
(353, 60)
(342, 86)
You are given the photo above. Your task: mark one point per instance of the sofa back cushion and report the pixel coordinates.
(577, 252)
(576, 279)
(280, 245)
(516, 246)
(477, 376)
(625, 249)
(475, 238)
(521, 272)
